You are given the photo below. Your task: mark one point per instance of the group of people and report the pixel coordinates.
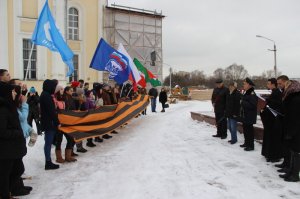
(20, 106)
(279, 116)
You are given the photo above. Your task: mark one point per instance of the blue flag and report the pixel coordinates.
(106, 58)
(47, 34)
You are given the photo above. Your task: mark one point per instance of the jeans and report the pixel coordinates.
(49, 138)
(153, 104)
(232, 124)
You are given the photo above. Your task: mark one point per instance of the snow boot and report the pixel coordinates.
(50, 166)
(90, 143)
(114, 132)
(106, 136)
(294, 174)
(68, 156)
(80, 148)
(98, 139)
(59, 158)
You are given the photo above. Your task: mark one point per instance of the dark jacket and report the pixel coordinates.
(291, 123)
(218, 99)
(248, 111)
(12, 141)
(69, 103)
(163, 98)
(153, 92)
(49, 119)
(233, 104)
(272, 139)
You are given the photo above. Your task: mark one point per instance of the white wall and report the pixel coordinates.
(3, 35)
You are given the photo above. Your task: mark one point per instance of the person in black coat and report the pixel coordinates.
(219, 103)
(33, 100)
(232, 110)
(163, 98)
(291, 127)
(12, 142)
(153, 95)
(272, 147)
(248, 113)
(49, 120)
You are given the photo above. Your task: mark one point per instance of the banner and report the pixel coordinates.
(88, 124)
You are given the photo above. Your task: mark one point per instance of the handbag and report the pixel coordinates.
(166, 106)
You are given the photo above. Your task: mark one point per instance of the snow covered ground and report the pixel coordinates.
(161, 156)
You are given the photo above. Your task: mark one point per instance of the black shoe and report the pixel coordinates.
(243, 145)
(74, 154)
(28, 188)
(106, 136)
(224, 137)
(216, 136)
(81, 150)
(20, 192)
(284, 170)
(274, 160)
(114, 132)
(282, 165)
(98, 139)
(249, 149)
(90, 144)
(233, 142)
(163, 111)
(229, 141)
(286, 175)
(50, 166)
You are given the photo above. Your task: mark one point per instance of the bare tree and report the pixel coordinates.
(219, 73)
(236, 72)
(270, 74)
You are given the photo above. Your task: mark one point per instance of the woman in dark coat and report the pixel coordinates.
(33, 100)
(272, 147)
(163, 98)
(291, 127)
(12, 141)
(248, 114)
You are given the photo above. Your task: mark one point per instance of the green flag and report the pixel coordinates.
(149, 77)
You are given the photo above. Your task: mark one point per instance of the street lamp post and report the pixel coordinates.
(274, 50)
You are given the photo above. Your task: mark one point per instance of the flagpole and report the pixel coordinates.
(29, 61)
(122, 90)
(129, 91)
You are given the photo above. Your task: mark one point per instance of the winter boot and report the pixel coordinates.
(80, 148)
(106, 136)
(294, 174)
(59, 158)
(114, 132)
(50, 166)
(290, 168)
(98, 139)
(90, 143)
(68, 156)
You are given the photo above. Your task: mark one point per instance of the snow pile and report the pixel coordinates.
(163, 156)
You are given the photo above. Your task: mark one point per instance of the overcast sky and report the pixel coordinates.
(208, 34)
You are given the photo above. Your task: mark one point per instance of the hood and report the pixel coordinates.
(49, 86)
(292, 87)
(5, 94)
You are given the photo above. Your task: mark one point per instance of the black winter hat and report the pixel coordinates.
(249, 81)
(219, 81)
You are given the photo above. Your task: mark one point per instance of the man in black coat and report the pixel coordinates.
(248, 113)
(218, 100)
(233, 110)
(153, 93)
(272, 145)
(49, 120)
(291, 127)
(163, 98)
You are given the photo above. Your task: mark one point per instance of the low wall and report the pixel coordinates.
(258, 131)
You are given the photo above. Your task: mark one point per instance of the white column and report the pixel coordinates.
(18, 40)
(101, 18)
(58, 66)
(3, 35)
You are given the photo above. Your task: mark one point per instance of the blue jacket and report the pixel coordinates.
(23, 114)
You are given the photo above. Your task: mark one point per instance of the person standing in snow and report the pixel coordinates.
(248, 113)
(232, 110)
(291, 128)
(49, 120)
(163, 98)
(33, 100)
(218, 100)
(272, 146)
(153, 93)
(12, 143)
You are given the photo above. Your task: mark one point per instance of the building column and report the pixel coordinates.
(3, 35)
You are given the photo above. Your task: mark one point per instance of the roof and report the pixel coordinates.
(135, 10)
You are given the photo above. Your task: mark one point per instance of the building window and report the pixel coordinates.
(73, 28)
(74, 76)
(27, 45)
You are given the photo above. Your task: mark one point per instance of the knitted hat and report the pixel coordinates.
(58, 88)
(32, 90)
